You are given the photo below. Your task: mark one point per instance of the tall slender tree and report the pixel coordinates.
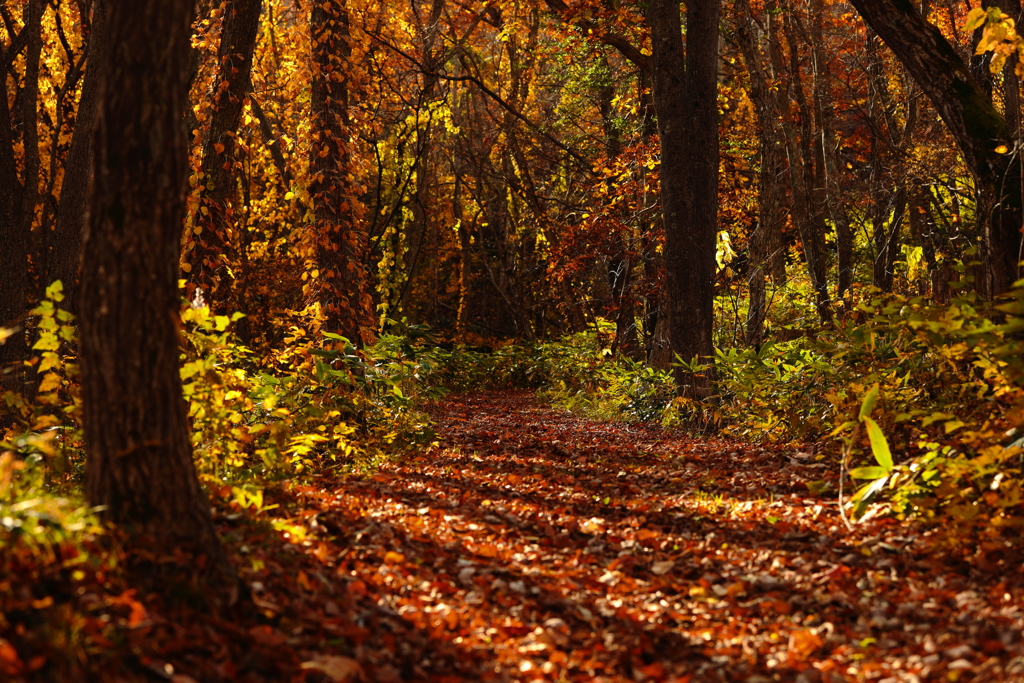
(18, 196)
(214, 235)
(339, 281)
(75, 195)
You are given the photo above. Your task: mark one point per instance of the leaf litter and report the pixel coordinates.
(529, 544)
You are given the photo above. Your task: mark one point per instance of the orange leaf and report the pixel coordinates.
(9, 660)
(803, 643)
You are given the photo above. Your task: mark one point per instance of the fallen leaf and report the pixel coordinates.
(338, 669)
(803, 643)
(662, 567)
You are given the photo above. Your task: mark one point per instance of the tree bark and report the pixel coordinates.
(18, 201)
(766, 238)
(208, 247)
(971, 118)
(75, 192)
(341, 284)
(685, 92)
(139, 459)
(805, 172)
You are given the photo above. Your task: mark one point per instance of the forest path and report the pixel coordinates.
(535, 545)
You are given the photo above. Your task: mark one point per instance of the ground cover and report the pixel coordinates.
(530, 544)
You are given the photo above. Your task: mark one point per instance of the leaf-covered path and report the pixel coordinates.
(534, 545)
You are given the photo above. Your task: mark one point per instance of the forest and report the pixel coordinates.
(511, 340)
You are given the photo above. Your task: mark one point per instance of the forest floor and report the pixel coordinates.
(530, 544)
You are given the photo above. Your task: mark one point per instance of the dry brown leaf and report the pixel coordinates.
(338, 669)
(662, 567)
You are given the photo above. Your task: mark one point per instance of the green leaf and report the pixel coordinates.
(869, 473)
(879, 444)
(869, 403)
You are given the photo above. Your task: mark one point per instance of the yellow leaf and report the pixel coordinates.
(50, 382)
(1002, 149)
(50, 361)
(975, 18)
(46, 421)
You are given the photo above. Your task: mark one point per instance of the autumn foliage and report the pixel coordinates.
(774, 431)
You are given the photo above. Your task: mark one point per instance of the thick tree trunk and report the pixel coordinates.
(208, 247)
(971, 119)
(139, 465)
(342, 245)
(685, 92)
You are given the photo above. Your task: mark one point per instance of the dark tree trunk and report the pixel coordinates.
(886, 239)
(685, 92)
(971, 119)
(139, 465)
(342, 284)
(685, 95)
(18, 201)
(802, 142)
(210, 246)
(827, 151)
(75, 196)
(766, 239)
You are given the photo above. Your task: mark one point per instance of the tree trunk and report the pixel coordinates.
(139, 465)
(805, 173)
(826, 152)
(341, 284)
(767, 236)
(886, 238)
(971, 119)
(75, 191)
(18, 202)
(685, 92)
(208, 247)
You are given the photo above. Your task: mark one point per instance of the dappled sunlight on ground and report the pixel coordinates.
(532, 545)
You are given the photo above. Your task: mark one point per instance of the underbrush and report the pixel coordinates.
(316, 407)
(577, 372)
(945, 382)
